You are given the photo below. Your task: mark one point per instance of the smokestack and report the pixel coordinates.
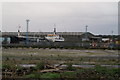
(54, 30)
(19, 31)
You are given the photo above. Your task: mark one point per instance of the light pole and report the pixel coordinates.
(112, 41)
(27, 21)
(86, 28)
(86, 32)
(112, 36)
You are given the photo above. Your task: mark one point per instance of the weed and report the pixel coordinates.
(40, 65)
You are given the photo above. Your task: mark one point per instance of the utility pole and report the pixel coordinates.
(27, 21)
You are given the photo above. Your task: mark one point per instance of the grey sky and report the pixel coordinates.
(101, 17)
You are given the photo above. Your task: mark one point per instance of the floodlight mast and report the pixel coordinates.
(112, 35)
(86, 28)
(86, 32)
(27, 28)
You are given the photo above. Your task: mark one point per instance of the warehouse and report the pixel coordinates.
(72, 39)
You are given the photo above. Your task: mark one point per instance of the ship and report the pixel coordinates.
(54, 37)
(29, 38)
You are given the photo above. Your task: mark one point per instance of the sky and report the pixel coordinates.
(100, 17)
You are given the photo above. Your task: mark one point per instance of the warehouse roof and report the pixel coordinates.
(42, 33)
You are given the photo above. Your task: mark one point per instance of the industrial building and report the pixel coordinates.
(72, 39)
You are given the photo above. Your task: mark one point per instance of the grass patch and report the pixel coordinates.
(31, 76)
(68, 75)
(70, 68)
(50, 75)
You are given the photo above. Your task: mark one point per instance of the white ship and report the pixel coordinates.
(54, 37)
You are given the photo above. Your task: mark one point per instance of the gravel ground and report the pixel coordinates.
(61, 55)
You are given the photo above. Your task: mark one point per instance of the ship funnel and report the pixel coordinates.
(19, 31)
(54, 30)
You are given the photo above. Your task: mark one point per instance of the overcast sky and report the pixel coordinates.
(101, 17)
